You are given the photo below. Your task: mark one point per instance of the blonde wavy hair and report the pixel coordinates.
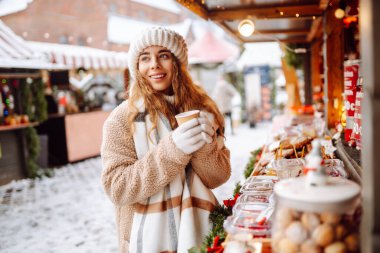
(187, 96)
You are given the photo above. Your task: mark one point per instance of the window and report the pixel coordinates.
(63, 39)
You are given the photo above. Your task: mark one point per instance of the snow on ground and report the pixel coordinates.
(70, 212)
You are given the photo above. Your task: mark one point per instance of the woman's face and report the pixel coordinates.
(155, 64)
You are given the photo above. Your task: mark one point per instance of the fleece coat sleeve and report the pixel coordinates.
(212, 163)
(128, 180)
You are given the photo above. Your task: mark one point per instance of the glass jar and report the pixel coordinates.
(316, 213)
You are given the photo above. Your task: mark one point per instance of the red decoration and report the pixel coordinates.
(350, 19)
(231, 202)
(215, 247)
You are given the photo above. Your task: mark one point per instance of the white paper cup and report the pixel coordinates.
(186, 116)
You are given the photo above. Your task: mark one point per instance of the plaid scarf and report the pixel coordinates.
(177, 217)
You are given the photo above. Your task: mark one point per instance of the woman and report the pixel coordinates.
(159, 174)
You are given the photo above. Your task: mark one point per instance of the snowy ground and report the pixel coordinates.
(70, 212)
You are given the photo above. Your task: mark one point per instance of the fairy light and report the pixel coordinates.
(25, 34)
(246, 27)
(339, 13)
(281, 13)
(46, 35)
(297, 15)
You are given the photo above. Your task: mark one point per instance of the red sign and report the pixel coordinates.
(357, 128)
(351, 73)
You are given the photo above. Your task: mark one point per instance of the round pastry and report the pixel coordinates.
(340, 232)
(352, 242)
(296, 232)
(310, 247)
(337, 247)
(283, 217)
(287, 246)
(310, 221)
(323, 235)
(330, 218)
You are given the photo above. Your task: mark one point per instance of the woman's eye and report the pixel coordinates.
(164, 56)
(144, 58)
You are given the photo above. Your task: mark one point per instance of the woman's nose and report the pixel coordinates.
(154, 62)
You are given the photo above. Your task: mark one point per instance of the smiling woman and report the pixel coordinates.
(159, 174)
(155, 65)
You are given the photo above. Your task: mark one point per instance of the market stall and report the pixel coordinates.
(21, 79)
(80, 98)
(327, 33)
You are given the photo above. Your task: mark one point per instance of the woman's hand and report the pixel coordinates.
(207, 125)
(188, 137)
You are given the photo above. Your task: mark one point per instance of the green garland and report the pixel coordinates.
(39, 101)
(255, 156)
(217, 217)
(33, 146)
(293, 59)
(32, 96)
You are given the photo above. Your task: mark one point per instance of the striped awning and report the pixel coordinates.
(73, 56)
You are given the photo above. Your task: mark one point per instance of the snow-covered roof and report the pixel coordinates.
(74, 56)
(167, 5)
(16, 53)
(255, 54)
(122, 30)
(12, 6)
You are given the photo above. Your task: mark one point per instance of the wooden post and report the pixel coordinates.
(291, 85)
(316, 61)
(370, 52)
(334, 57)
(307, 76)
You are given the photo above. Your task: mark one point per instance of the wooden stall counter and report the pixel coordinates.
(84, 134)
(73, 137)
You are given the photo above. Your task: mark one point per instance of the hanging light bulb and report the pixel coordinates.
(246, 27)
(339, 13)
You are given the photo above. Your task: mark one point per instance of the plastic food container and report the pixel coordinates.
(316, 213)
(334, 168)
(255, 198)
(258, 187)
(249, 221)
(288, 168)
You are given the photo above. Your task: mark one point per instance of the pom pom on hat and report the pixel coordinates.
(156, 36)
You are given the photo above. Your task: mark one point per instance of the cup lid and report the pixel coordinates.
(336, 191)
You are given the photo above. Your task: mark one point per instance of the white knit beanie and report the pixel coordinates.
(156, 36)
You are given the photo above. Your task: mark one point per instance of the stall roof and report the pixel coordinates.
(16, 53)
(72, 56)
(275, 20)
(211, 49)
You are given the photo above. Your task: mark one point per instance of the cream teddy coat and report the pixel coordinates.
(127, 180)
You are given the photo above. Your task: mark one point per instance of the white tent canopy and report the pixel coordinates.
(256, 54)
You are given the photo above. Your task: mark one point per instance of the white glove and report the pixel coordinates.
(206, 120)
(188, 137)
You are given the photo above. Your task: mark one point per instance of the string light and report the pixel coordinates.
(89, 40)
(246, 27)
(313, 17)
(25, 34)
(47, 35)
(297, 15)
(281, 13)
(339, 13)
